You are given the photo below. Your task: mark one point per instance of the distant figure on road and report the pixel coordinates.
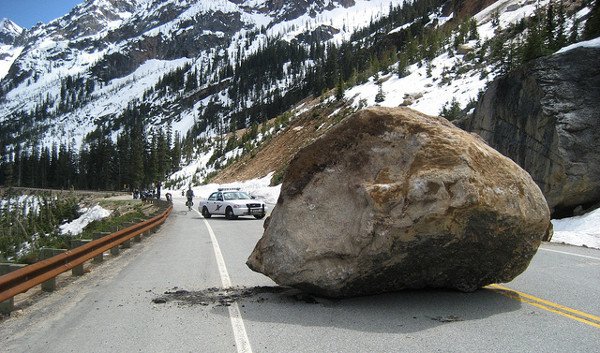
(190, 195)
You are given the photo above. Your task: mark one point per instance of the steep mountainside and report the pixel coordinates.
(86, 68)
(102, 87)
(122, 94)
(545, 117)
(450, 84)
(9, 49)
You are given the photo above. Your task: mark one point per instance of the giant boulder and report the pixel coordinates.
(545, 117)
(392, 199)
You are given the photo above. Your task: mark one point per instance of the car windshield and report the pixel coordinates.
(239, 195)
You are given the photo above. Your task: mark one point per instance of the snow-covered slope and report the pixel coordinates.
(9, 50)
(109, 59)
(9, 31)
(450, 77)
(429, 92)
(119, 49)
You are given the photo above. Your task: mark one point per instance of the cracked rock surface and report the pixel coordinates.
(545, 117)
(393, 199)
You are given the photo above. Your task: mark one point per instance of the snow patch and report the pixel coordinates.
(579, 230)
(258, 188)
(9, 55)
(88, 215)
(592, 43)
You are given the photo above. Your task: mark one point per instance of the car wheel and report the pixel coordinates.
(229, 213)
(259, 216)
(205, 212)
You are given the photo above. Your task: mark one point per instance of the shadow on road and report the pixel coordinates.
(401, 312)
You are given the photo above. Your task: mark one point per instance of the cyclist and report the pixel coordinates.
(190, 195)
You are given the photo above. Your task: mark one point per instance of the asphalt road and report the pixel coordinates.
(166, 295)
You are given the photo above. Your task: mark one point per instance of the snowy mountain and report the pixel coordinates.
(109, 53)
(447, 83)
(202, 70)
(9, 32)
(9, 50)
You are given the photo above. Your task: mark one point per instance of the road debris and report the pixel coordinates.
(227, 296)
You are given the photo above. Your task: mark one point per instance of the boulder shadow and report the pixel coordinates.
(400, 312)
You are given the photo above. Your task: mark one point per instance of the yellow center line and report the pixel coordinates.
(565, 311)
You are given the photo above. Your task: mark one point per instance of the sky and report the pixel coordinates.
(26, 13)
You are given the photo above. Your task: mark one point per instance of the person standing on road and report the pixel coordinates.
(158, 187)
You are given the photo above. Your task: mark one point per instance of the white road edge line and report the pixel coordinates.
(570, 253)
(237, 323)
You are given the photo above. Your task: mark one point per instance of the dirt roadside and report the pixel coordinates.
(314, 118)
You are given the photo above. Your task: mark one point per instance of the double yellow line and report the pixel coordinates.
(570, 313)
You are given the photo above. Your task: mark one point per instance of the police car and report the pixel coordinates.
(232, 203)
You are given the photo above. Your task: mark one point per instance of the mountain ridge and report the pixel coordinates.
(198, 72)
(9, 31)
(118, 41)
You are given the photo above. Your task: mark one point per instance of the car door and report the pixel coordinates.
(218, 204)
(211, 203)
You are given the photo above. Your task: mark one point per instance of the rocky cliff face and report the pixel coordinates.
(545, 117)
(287, 10)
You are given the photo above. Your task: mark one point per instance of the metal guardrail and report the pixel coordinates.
(21, 280)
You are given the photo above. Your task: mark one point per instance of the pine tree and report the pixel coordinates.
(53, 165)
(64, 167)
(151, 163)
(592, 25)
(162, 155)
(123, 161)
(550, 24)
(534, 44)
(380, 96)
(9, 168)
(473, 33)
(44, 167)
(402, 69)
(574, 34)
(176, 152)
(561, 38)
(136, 165)
(339, 90)
(451, 110)
(86, 178)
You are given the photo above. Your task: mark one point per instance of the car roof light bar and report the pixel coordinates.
(228, 189)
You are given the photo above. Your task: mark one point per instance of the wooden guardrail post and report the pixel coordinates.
(127, 243)
(115, 250)
(146, 234)
(138, 238)
(98, 259)
(9, 304)
(46, 253)
(78, 270)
